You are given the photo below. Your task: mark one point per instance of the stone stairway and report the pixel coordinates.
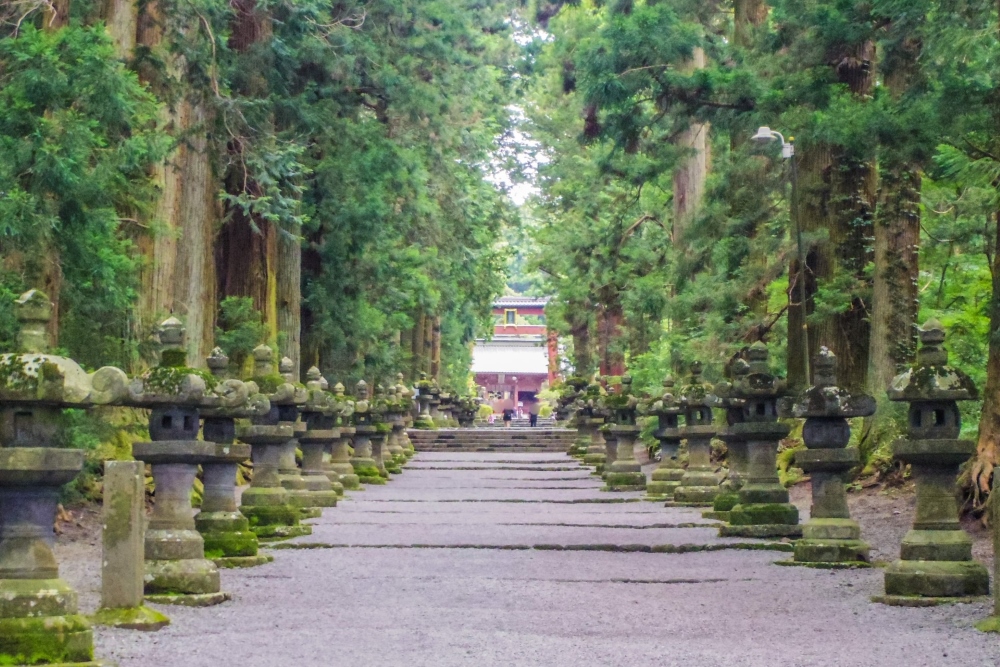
(493, 439)
(543, 422)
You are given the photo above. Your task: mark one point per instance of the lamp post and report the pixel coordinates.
(766, 135)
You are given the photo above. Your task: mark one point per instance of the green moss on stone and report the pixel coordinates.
(45, 639)
(131, 618)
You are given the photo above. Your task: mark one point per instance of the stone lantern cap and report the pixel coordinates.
(253, 404)
(758, 381)
(623, 403)
(318, 398)
(423, 384)
(931, 378)
(173, 383)
(343, 404)
(697, 392)
(276, 387)
(36, 377)
(825, 398)
(667, 404)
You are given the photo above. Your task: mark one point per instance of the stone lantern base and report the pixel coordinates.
(365, 466)
(266, 503)
(39, 623)
(340, 468)
(665, 479)
(624, 473)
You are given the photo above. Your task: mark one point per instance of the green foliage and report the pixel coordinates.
(241, 329)
(78, 134)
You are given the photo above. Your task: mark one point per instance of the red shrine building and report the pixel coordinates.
(521, 358)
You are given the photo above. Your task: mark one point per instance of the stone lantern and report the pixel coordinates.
(590, 418)
(435, 402)
(406, 397)
(668, 474)
(936, 554)
(340, 456)
(736, 445)
(300, 494)
(425, 419)
(40, 623)
(764, 510)
(229, 542)
(365, 466)
(379, 408)
(700, 484)
(267, 504)
(830, 535)
(396, 408)
(624, 473)
(177, 571)
(320, 420)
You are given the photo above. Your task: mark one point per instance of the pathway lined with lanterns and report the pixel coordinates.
(520, 559)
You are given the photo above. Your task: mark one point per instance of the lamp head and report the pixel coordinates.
(764, 135)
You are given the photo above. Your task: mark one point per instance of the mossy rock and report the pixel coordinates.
(220, 545)
(270, 515)
(371, 479)
(991, 624)
(131, 618)
(771, 513)
(724, 502)
(831, 551)
(45, 639)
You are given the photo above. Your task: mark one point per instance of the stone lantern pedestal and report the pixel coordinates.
(395, 440)
(299, 492)
(39, 622)
(625, 473)
(340, 459)
(380, 451)
(936, 555)
(610, 439)
(830, 535)
(700, 484)
(313, 443)
(764, 509)
(177, 571)
(596, 452)
(229, 542)
(363, 463)
(667, 476)
(266, 503)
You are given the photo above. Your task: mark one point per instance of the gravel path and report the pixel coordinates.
(365, 594)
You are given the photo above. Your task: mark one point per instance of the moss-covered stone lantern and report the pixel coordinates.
(830, 535)
(700, 484)
(177, 570)
(435, 403)
(39, 623)
(396, 408)
(299, 493)
(588, 417)
(380, 408)
(267, 504)
(320, 419)
(764, 509)
(406, 397)
(425, 420)
(936, 555)
(624, 473)
(668, 474)
(736, 445)
(365, 466)
(340, 454)
(229, 542)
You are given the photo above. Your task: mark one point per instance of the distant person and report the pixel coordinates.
(533, 409)
(508, 414)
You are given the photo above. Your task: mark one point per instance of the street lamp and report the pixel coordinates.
(766, 135)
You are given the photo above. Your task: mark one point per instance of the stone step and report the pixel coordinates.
(488, 439)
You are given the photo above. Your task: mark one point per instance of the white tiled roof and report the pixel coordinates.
(508, 301)
(511, 359)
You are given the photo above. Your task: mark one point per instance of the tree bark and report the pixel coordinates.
(747, 15)
(290, 296)
(988, 442)
(121, 20)
(690, 177)
(610, 334)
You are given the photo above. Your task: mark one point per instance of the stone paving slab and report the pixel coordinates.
(447, 606)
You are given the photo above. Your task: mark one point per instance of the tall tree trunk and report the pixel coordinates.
(436, 348)
(246, 249)
(121, 20)
(747, 15)
(417, 353)
(811, 208)
(290, 296)
(610, 334)
(854, 185)
(988, 442)
(896, 244)
(690, 176)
